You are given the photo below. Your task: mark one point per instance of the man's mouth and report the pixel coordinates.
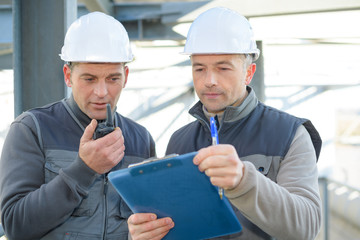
(211, 95)
(99, 105)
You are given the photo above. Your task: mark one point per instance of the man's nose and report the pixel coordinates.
(101, 89)
(210, 79)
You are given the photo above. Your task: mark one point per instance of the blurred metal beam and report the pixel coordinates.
(6, 60)
(262, 8)
(39, 30)
(153, 21)
(6, 37)
(258, 81)
(144, 110)
(105, 6)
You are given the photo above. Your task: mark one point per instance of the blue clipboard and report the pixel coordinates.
(174, 187)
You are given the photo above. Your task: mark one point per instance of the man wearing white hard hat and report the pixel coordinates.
(53, 170)
(266, 159)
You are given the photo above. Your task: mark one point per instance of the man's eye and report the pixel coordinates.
(224, 69)
(199, 70)
(114, 79)
(89, 79)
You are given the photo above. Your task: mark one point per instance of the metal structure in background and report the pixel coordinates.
(39, 29)
(341, 201)
(40, 25)
(257, 83)
(6, 39)
(154, 21)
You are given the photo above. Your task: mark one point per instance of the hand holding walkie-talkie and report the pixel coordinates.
(104, 128)
(102, 145)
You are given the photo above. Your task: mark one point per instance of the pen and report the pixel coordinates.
(215, 141)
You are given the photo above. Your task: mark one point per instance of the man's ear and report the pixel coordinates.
(126, 70)
(67, 75)
(250, 73)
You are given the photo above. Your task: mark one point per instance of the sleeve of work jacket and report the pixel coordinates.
(29, 207)
(290, 208)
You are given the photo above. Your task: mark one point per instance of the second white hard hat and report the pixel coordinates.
(96, 37)
(221, 30)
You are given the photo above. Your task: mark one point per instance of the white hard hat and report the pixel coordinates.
(96, 37)
(220, 30)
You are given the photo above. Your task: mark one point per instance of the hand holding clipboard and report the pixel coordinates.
(174, 187)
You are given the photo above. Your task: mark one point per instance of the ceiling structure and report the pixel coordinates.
(149, 20)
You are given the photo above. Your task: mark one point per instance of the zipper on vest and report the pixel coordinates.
(106, 186)
(205, 123)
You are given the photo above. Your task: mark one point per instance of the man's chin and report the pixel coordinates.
(215, 110)
(99, 115)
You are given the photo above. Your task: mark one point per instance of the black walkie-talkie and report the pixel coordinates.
(106, 127)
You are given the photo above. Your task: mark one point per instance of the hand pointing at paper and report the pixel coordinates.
(222, 164)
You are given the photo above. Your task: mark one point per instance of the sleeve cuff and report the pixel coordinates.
(80, 174)
(247, 182)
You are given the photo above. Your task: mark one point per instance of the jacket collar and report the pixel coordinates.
(231, 114)
(82, 118)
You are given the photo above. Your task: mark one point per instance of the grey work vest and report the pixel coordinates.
(263, 137)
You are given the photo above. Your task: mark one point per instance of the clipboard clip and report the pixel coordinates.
(153, 159)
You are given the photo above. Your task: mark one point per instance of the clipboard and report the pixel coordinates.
(174, 187)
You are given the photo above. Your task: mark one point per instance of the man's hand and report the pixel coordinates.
(146, 226)
(102, 154)
(222, 164)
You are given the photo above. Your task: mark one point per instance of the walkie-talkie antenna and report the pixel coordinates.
(108, 115)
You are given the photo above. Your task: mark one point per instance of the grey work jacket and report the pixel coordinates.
(263, 137)
(48, 192)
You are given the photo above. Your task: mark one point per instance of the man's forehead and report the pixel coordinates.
(99, 63)
(98, 69)
(86, 65)
(214, 59)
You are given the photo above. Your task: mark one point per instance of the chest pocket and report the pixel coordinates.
(58, 159)
(267, 165)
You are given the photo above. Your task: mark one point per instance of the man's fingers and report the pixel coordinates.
(89, 131)
(157, 226)
(146, 226)
(139, 218)
(216, 171)
(222, 164)
(220, 149)
(115, 137)
(157, 233)
(213, 162)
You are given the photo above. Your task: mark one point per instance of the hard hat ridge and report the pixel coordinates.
(221, 30)
(96, 37)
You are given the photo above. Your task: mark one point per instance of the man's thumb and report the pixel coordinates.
(89, 131)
